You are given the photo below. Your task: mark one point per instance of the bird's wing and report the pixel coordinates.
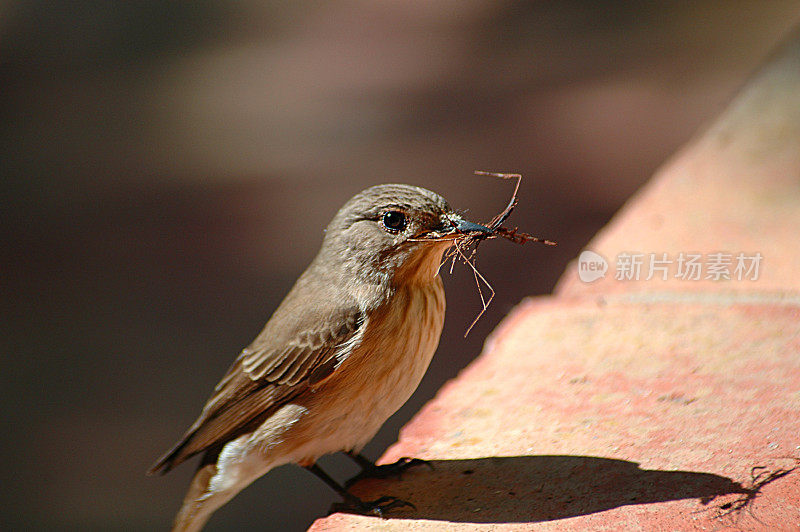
(292, 352)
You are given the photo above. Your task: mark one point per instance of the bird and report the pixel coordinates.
(343, 351)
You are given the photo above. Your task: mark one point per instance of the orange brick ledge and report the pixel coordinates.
(649, 405)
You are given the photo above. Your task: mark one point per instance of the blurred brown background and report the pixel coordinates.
(167, 169)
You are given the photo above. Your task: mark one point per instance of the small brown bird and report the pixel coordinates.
(344, 351)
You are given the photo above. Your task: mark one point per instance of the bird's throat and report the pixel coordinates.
(422, 265)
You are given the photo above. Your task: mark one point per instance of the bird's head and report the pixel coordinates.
(394, 233)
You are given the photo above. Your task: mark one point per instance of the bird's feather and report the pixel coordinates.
(276, 367)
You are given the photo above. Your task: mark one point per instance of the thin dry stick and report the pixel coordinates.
(469, 261)
(477, 275)
(520, 238)
(498, 220)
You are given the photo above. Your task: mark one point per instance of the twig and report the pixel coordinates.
(462, 241)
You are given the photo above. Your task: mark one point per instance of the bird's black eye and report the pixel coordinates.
(394, 221)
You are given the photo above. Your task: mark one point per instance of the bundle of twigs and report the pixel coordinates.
(465, 246)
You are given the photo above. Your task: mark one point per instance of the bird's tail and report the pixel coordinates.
(199, 503)
(216, 482)
(204, 498)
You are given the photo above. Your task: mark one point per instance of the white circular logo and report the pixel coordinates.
(591, 266)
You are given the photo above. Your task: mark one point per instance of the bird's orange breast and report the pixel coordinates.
(382, 371)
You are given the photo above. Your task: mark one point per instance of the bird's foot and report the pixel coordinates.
(379, 507)
(395, 469)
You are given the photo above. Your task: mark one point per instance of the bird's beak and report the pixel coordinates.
(466, 227)
(452, 224)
